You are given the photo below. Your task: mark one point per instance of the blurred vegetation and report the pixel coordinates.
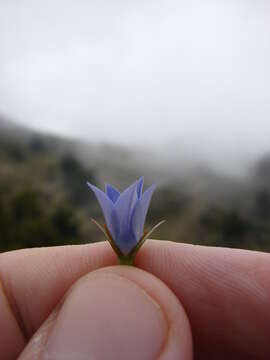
(44, 200)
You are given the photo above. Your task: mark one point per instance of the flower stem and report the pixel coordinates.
(126, 260)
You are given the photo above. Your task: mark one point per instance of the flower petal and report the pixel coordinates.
(108, 210)
(125, 204)
(140, 212)
(140, 187)
(112, 192)
(124, 208)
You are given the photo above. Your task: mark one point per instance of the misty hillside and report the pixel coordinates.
(44, 199)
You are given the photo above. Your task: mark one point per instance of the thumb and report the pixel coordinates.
(118, 313)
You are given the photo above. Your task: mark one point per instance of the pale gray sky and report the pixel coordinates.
(141, 70)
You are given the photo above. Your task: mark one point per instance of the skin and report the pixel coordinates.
(224, 292)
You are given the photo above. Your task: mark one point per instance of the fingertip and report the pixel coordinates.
(178, 343)
(118, 312)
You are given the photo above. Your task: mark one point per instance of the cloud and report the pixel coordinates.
(140, 72)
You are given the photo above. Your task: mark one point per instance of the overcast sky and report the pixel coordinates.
(196, 71)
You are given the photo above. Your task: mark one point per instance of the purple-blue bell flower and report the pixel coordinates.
(125, 213)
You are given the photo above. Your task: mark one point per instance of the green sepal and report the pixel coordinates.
(130, 257)
(145, 236)
(126, 260)
(108, 236)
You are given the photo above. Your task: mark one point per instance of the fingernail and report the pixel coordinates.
(107, 316)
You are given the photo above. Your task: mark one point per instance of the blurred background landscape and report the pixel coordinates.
(44, 199)
(109, 91)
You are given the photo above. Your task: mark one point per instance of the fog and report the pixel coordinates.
(190, 77)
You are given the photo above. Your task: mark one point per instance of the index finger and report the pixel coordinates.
(225, 292)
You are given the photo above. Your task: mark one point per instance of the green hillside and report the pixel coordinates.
(44, 199)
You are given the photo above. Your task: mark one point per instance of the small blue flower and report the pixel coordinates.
(125, 213)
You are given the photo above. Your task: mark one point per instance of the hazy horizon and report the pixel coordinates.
(195, 75)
